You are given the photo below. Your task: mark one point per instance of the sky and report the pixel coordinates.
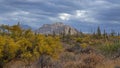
(84, 15)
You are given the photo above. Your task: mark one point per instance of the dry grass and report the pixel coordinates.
(72, 60)
(92, 61)
(110, 64)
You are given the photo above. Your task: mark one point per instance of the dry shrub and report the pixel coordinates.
(91, 60)
(84, 61)
(108, 63)
(67, 57)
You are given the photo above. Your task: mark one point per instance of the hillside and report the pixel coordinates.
(22, 48)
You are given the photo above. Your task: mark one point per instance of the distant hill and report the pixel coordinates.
(57, 28)
(25, 26)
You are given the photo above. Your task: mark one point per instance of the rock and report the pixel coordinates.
(57, 28)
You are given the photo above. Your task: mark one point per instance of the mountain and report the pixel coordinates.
(25, 26)
(57, 28)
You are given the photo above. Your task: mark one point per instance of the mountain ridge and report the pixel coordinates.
(57, 28)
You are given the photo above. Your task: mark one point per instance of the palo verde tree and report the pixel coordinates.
(8, 50)
(26, 46)
(47, 46)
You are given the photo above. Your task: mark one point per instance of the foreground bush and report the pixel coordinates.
(111, 50)
(17, 43)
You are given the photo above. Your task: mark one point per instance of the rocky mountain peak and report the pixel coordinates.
(57, 28)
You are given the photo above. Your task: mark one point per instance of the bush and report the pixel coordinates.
(110, 49)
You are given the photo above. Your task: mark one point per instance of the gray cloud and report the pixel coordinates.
(78, 12)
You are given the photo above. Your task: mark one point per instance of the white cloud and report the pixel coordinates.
(64, 16)
(84, 16)
(20, 13)
(81, 15)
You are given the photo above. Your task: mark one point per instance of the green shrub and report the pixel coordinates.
(110, 49)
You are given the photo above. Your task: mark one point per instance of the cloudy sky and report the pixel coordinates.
(85, 15)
